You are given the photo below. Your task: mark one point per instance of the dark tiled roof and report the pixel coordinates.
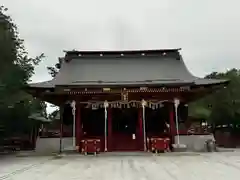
(126, 71)
(45, 84)
(39, 117)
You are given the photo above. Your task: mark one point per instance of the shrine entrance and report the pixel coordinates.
(124, 129)
(157, 122)
(93, 123)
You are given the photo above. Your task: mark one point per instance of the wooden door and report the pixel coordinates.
(124, 132)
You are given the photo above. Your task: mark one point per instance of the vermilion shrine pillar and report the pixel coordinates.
(140, 129)
(171, 122)
(109, 129)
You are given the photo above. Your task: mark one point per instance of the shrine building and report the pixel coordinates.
(124, 100)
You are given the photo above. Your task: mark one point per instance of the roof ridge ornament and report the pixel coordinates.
(115, 53)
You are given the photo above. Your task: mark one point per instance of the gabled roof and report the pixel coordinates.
(125, 68)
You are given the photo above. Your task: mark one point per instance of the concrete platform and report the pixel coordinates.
(204, 166)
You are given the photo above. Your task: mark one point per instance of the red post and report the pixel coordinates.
(109, 129)
(78, 126)
(140, 126)
(172, 123)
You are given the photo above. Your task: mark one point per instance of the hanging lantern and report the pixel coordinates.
(106, 104)
(153, 107)
(118, 105)
(137, 105)
(176, 102)
(150, 105)
(94, 106)
(134, 104)
(144, 103)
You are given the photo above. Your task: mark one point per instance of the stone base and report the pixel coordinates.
(179, 147)
(195, 143)
(52, 145)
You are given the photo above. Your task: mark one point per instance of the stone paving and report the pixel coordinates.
(205, 166)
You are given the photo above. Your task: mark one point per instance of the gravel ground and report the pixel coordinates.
(224, 165)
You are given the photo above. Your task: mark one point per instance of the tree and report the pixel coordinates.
(223, 106)
(16, 69)
(54, 69)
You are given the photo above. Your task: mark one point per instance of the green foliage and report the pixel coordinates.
(198, 111)
(16, 69)
(223, 106)
(54, 70)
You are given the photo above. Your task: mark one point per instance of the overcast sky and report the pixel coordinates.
(208, 31)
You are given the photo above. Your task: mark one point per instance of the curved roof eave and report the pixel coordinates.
(202, 81)
(198, 82)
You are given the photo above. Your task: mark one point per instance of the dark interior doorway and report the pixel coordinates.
(93, 122)
(157, 121)
(124, 129)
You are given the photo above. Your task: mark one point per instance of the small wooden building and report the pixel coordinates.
(123, 99)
